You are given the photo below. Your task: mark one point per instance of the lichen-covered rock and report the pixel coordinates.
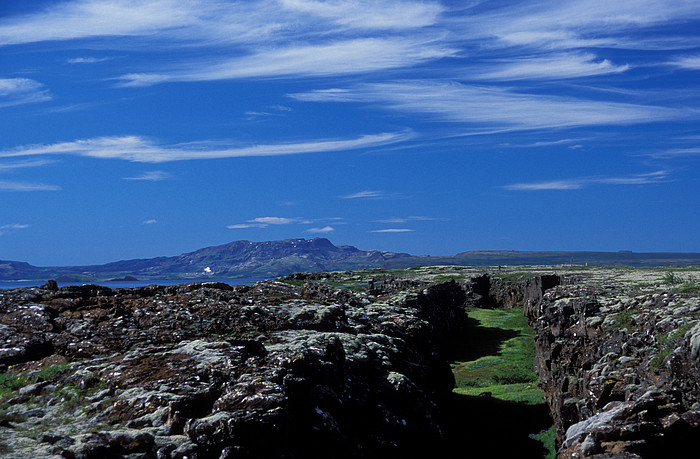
(619, 367)
(209, 370)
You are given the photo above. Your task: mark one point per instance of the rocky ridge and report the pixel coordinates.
(618, 356)
(208, 370)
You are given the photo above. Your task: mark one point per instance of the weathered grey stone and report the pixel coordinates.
(173, 372)
(694, 336)
(600, 421)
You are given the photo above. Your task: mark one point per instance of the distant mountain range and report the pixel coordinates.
(276, 258)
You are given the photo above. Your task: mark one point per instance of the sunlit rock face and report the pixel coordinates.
(210, 370)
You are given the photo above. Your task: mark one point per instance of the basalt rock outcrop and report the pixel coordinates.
(620, 366)
(206, 370)
(511, 290)
(296, 368)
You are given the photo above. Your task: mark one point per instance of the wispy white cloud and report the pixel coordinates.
(549, 67)
(275, 220)
(422, 218)
(151, 221)
(213, 21)
(549, 23)
(344, 57)
(322, 230)
(17, 91)
(373, 194)
(87, 60)
(547, 185)
(393, 230)
(14, 226)
(67, 108)
(78, 19)
(251, 38)
(10, 86)
(575, 24)
(327, 95)
(549, 143)
(24, 164)
(260, 38)
(640, 179)
(246, 225)
(281, 108)
(576, 184)
(494, 107)
(8, 229)
(392, 220)
(414, 218)
(139, 149)
(677, 153)
(143, 79)
(371, 14)
(272, 110)
(602, 14)
(26, 186)
(151, 176)
(687, 62)
(264, 222)
(365, 194)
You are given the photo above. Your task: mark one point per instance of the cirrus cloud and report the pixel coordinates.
(346, 57)
(372, 194)
(322, 230)
(576, 184)
(17, 91)
(493, 107)
(87, 60)
(6, 185)
(8, 229)
(14, 226)
(151, 176)
(264, 222)
(140, 149)
(687, 62)
(275, 220)
(552, 66)
(393, 230)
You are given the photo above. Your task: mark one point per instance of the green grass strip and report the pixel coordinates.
(510, 369)
(505, 371)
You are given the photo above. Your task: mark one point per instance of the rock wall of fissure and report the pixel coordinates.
(620, 371)
(502, 292)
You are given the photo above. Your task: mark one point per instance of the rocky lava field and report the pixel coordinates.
(346, 364)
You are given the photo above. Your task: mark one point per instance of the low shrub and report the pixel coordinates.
(672, 278)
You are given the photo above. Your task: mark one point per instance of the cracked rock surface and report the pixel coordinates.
(617, 353)
(208, 370)
(301, 369)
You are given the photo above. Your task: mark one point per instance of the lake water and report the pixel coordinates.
(137, 283)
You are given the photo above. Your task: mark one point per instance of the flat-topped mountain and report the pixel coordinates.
(277, 258)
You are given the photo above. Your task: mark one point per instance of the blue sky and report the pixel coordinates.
(134, 129)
